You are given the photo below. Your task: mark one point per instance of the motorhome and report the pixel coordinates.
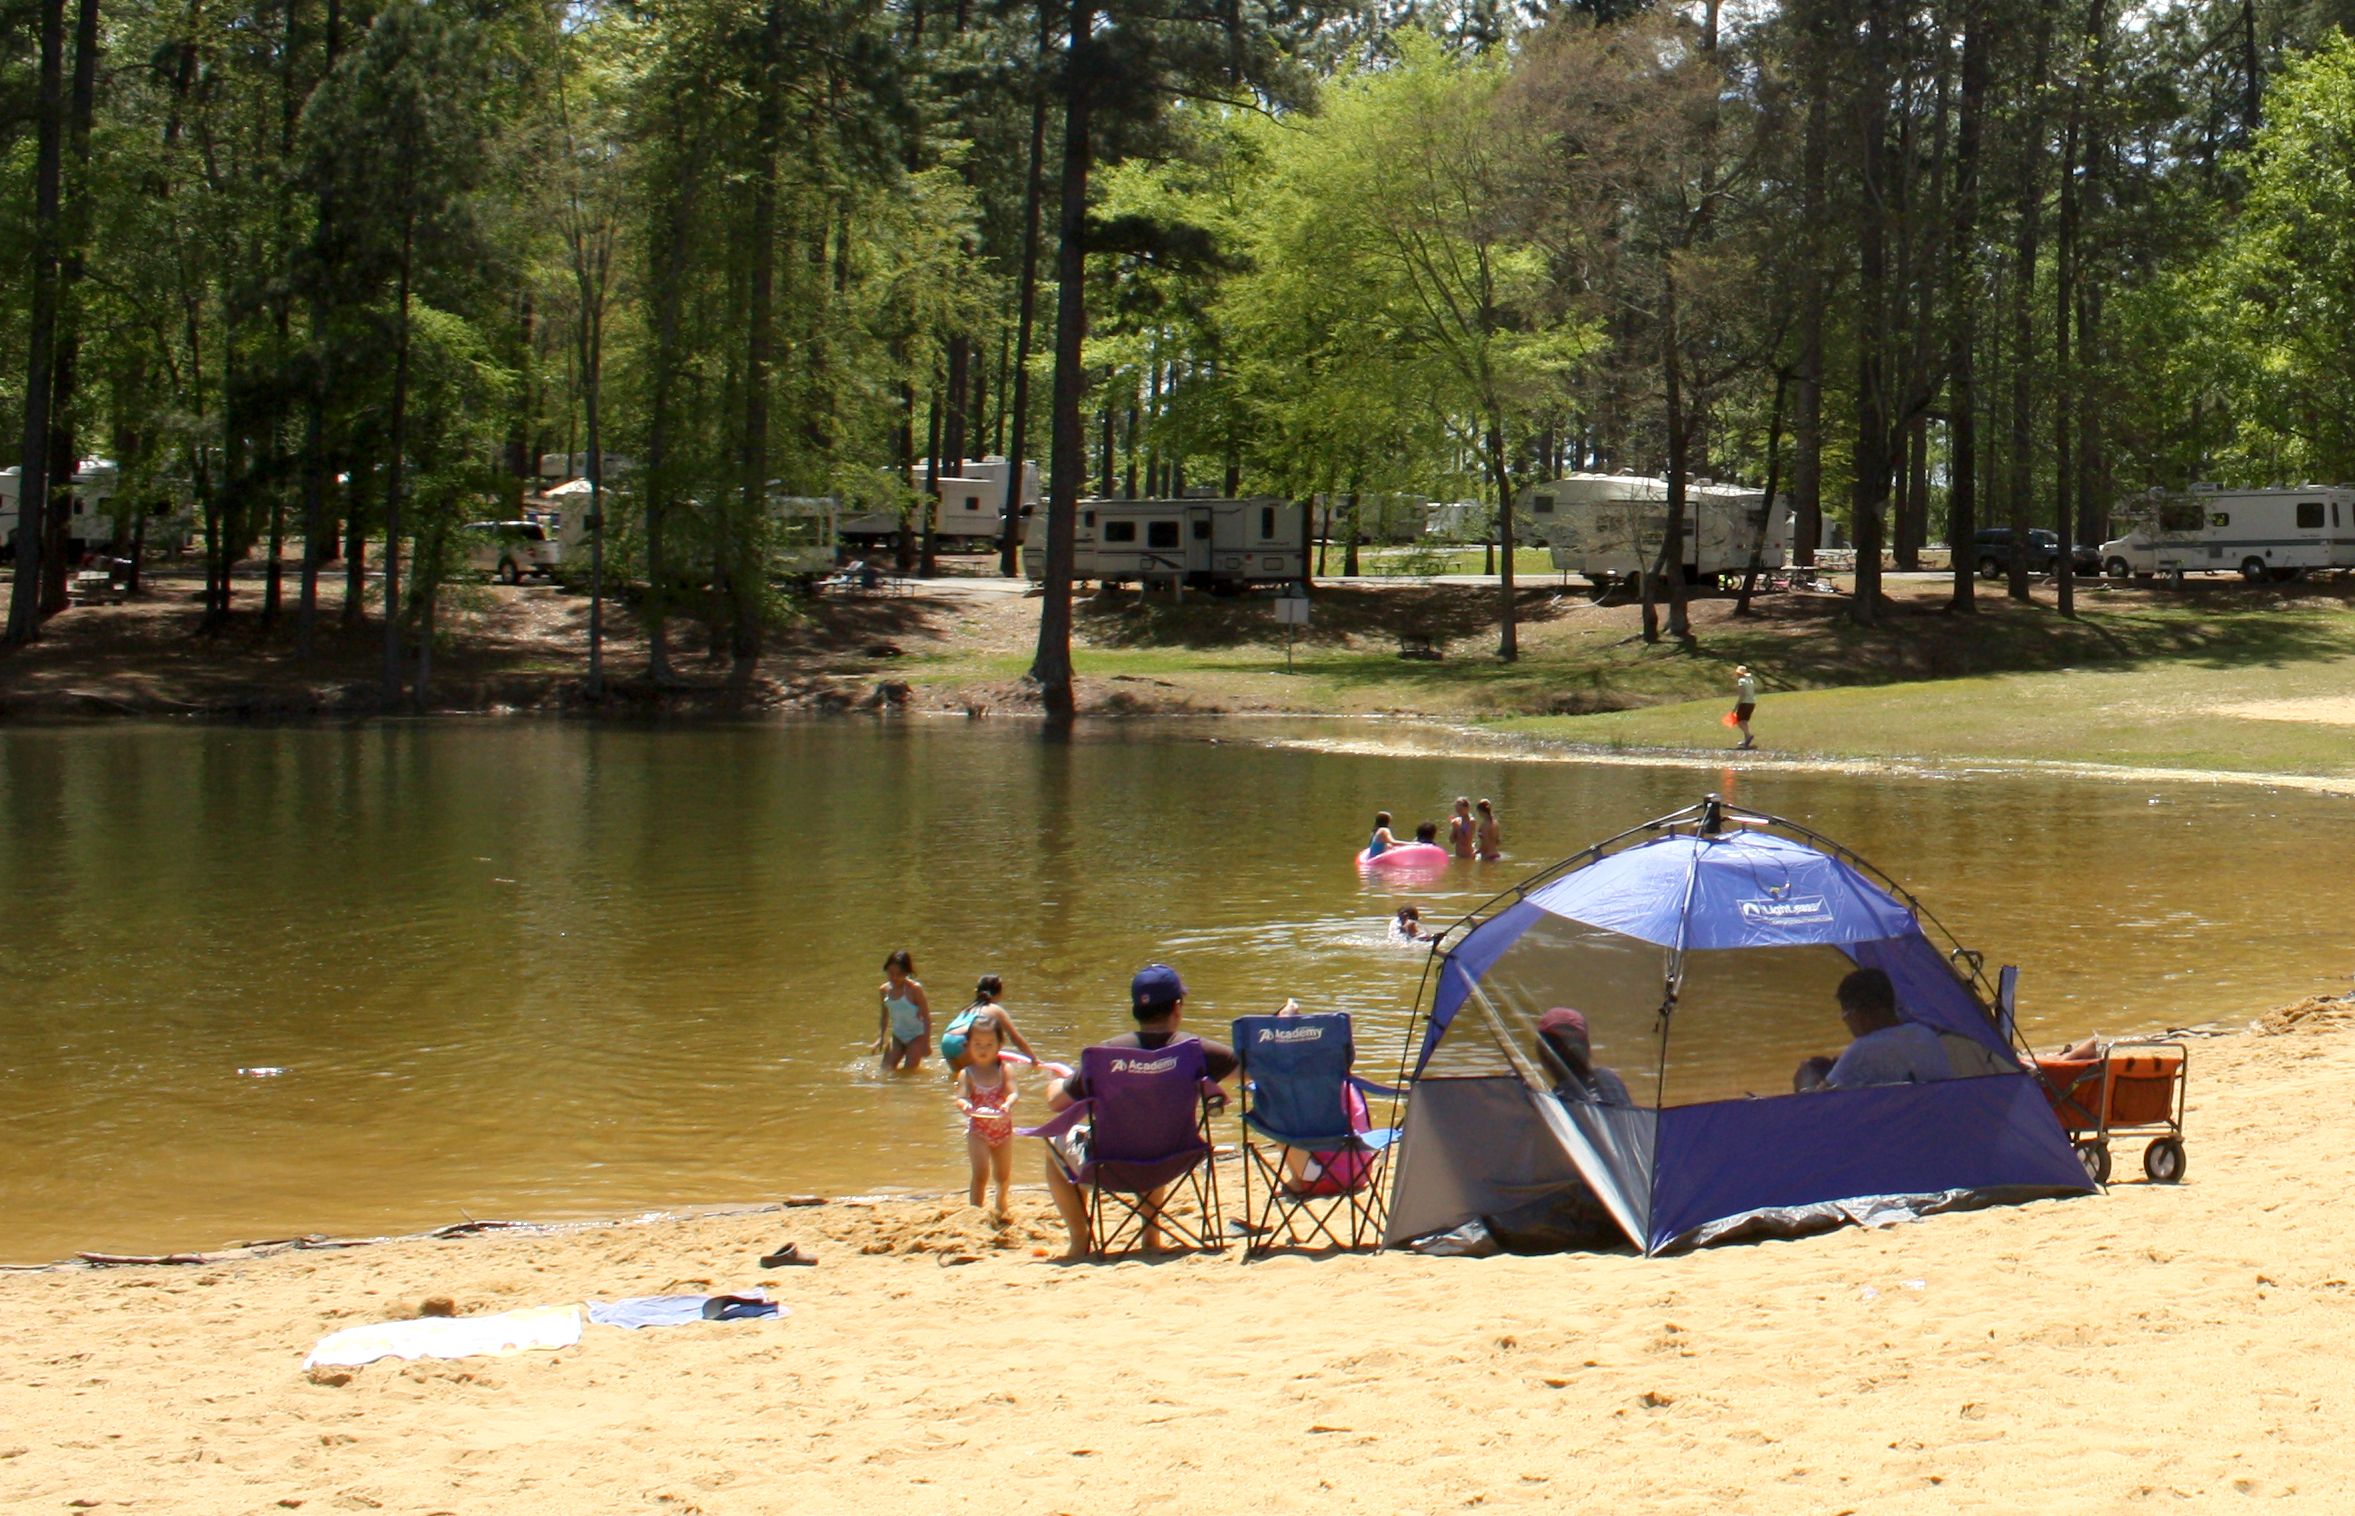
(93, 485)
(1604, 525)
(2261, 534)
(1203, 544)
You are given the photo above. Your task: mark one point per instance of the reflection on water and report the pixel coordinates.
(528, 969)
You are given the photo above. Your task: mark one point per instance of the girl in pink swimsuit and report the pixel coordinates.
(986, 1093)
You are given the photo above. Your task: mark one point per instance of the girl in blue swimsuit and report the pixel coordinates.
(985, 1008)
(903, 1031)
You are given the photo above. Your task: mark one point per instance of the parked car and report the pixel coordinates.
(508, 550)
(1994, 550)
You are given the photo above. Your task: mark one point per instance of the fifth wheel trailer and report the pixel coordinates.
(1604, 525)
(1203, 544)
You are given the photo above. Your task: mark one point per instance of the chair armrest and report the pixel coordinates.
(1372, 1088)
(1064, 1121)
(1214, 1096)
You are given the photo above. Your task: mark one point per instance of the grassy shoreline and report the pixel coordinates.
(2217, 678)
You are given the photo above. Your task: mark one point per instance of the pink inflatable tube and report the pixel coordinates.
(1407, 855)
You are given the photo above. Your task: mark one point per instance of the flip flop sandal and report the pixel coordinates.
(790, 1253)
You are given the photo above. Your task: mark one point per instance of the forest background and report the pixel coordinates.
(329, 277)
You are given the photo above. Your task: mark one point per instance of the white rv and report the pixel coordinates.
(972, 503)
(1205, 544)
(93, 485)
(2258, 534)
(1605, 525)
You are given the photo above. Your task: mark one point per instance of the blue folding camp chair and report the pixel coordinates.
(1299, 1097)
(1146, 1135)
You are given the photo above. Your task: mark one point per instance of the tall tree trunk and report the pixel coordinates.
(2064, 261)
(397, 441)
(1670, 566)
(1026, 302)
(1500, 475)
(75, 219)
(32, 500)
(1814, 281)
(662, 421)
(928, 559)
(316, 528)
(1962, 405)
(1873, 419)
(1051, 667)
(1774, 460)
(2252, 75)
(2023, 281)
(2092, 475)
(746, 579)
(355, 557)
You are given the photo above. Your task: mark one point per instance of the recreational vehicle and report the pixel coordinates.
(801, 543)
(93, 485)
(2262, 534)
(972, 502)
(1205, 544)
(968, 510)
(1604, 525)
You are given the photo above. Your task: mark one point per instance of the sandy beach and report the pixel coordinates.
(2154, 1346)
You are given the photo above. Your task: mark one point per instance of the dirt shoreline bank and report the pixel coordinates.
(2156, 1343)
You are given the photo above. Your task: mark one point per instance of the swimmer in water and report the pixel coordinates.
(1409, 924)
(1462, 829)
(1381, 842)
(1427, 833)
(1492, 836)
(903, 1032)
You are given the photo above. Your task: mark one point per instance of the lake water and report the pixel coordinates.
(523, 969)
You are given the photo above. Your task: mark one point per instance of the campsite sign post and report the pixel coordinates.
(1292, 610)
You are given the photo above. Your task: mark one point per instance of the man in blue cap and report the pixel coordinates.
(1157, 998)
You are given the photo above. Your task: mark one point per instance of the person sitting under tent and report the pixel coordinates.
(1888, 1049)
(1564, 1047)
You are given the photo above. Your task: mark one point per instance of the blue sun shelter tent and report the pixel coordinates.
(1703, 951)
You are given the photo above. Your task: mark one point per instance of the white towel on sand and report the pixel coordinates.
(545, 1326)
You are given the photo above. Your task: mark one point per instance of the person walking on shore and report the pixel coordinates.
(1745, 701)
(985, 1093)
(1491, 836)
(903, 1032)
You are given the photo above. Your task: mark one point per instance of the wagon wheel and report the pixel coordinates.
(2095, 1156)
(2163, 1160)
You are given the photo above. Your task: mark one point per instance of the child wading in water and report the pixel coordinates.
(985, 1093)
(903, 1031)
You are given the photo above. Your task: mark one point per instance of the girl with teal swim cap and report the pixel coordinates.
(984, 1007)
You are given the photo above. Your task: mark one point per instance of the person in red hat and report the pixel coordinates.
(1563, 1045)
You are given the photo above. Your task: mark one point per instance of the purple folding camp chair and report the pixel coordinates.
(1300, 1097)
(1143, 1131)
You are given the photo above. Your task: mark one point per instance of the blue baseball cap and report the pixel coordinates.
(1157, 987)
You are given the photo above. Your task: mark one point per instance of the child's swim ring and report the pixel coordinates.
(1405, 855)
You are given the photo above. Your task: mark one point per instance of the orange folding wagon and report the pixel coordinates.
(2130, 1088)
